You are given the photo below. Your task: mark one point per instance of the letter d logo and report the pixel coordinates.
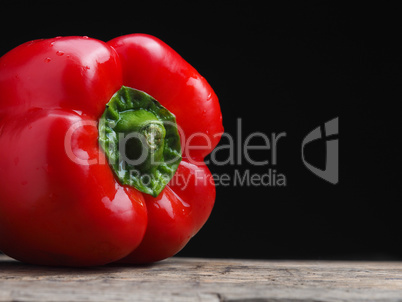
(331, 172)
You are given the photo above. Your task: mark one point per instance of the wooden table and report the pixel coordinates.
(195, 279)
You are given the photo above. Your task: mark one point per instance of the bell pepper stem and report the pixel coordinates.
(146, 138)
(140, 139)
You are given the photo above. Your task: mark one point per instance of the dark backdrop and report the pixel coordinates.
(279, 68)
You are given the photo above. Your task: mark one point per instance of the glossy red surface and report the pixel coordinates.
(60, 203)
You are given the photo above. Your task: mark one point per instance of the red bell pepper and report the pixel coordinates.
(71, 193)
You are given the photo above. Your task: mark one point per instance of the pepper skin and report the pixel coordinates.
(60, 201)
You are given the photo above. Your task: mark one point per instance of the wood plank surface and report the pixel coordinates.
(195, 279)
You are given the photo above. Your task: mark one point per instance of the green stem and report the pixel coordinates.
(140, 139)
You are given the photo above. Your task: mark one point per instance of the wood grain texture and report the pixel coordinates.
(195, 279)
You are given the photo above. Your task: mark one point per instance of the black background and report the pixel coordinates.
(285, 67)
